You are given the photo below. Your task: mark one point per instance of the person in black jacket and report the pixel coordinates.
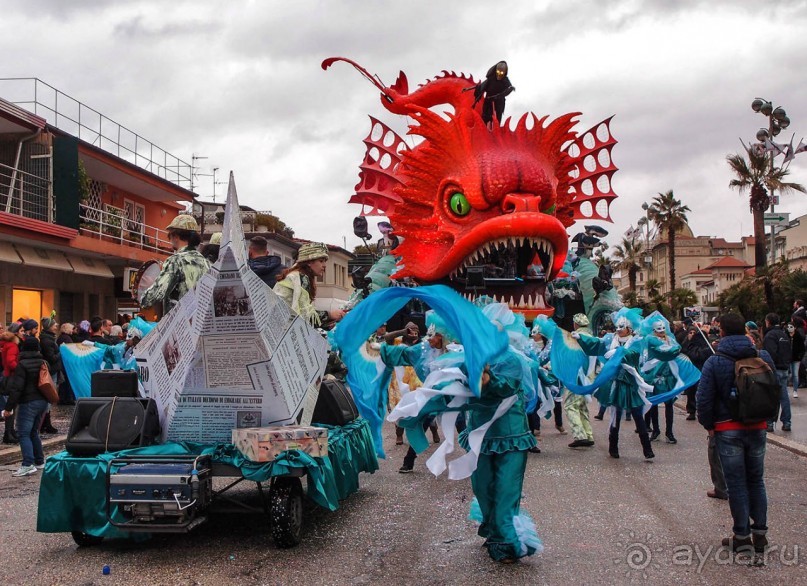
(741, 445)
(66, 395)
(696, 347)
(30, 406)
(266, 266)
(777, 343)
(51, 354)
(796, 332)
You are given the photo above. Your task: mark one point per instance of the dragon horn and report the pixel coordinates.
(371, 78)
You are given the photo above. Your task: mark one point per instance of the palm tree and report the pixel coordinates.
(681, 298)
(758, 176)
(653, 289)
(669, 215)
(600, 259)
(628, 257)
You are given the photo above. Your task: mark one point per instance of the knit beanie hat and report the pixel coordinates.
(29, 324)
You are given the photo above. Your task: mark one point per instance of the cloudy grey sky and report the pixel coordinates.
(240, 82)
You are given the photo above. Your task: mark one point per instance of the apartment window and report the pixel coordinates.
(135, 215)
(340, 275)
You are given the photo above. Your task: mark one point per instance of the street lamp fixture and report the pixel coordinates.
(777, 121)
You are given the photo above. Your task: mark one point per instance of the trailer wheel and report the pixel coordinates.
(286, 511)
(85, 539)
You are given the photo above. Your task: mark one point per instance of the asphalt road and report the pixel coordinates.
(602, 521)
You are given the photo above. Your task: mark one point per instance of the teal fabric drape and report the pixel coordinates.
(72, 494)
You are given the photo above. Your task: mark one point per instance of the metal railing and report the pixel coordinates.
(25, 194)
(68, 114)
(110, 223)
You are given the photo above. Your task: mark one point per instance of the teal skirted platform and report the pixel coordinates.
(72, 495)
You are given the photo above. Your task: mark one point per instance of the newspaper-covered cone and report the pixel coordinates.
(230, 354)
(232, 234)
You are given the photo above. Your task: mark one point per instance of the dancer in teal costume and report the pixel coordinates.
(497, 436)
(499, 475)
(660, 370)
(502, 453)
(626, 392)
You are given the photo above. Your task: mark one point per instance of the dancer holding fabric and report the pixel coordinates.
(627, 390)
(659, 369)
(486, 381)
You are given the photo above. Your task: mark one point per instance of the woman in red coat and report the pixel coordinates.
(10, 352)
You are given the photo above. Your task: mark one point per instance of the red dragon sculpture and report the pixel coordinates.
(468, 199)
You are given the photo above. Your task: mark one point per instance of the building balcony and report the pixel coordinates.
(27, 205)
(110, 224)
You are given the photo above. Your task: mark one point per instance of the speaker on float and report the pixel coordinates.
(335, 404)
(104, 424)
(114, 383)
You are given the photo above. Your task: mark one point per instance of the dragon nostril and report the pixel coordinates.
(521, 202)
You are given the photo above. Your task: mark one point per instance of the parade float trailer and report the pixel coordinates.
(229, 364)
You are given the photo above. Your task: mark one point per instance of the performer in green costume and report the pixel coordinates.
(627, 391)
(576, 405)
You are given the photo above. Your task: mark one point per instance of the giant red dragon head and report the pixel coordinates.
(484, 210)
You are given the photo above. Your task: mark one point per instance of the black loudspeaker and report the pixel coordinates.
(114, 383)
(360, 227)
(335, 404)
(102, 424)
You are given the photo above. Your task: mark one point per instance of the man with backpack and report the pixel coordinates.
(736, 395)
(777, 343)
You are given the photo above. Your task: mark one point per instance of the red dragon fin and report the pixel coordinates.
(590, 185)
(377, 175)
(401, 84)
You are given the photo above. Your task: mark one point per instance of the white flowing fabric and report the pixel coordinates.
(412, 403)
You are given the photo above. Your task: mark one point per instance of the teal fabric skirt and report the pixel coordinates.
(72, 494)
(622, 394)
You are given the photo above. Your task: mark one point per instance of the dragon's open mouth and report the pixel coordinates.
(511, 270)
(509, 257)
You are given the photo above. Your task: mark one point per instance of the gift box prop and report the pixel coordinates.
(265, 444)
(230, 354)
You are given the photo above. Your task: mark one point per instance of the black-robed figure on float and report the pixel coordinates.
(495, 88)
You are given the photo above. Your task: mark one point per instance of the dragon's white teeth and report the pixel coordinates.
(512, 301)
(529, 301)
(521, 302)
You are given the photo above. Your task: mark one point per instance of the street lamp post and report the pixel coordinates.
(777, 121)
(648, 258)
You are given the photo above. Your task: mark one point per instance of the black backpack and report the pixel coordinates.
(756, 392)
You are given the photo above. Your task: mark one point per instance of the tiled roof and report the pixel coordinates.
(728, 262)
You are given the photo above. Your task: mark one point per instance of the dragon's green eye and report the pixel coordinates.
(459, 204)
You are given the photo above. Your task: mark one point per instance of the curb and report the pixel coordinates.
(777, 440)
(12, 455)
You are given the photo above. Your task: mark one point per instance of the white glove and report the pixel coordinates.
(88, 343)
(576, 335)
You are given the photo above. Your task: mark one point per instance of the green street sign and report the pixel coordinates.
(776, 218)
